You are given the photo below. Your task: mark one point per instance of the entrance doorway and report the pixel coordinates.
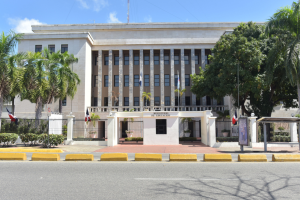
(191, 128)
(101, 129)
(124, 128)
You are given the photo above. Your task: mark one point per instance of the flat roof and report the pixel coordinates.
(279, 119)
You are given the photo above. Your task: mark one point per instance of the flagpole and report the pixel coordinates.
(178, 88)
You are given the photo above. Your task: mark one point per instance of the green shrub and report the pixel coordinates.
(29, 138)
(134, 139)
(187, 139)
(8, 138)
(227, 139)
(65, 130)
(54, 139)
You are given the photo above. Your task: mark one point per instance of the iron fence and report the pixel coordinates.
(92, 130)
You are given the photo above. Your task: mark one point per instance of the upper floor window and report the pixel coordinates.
(126, 101)
(146, 80)
(64, 102)
(196, 59)
(126, 80)
(136, 60)
(198, 101)
(38, 48)
(156, 101)
(116, 81)
(156, 59)
(167, 80)
(186, 59)
(146, 59)
(176, 79)
(51, 48)
(176, 100)
(167, 101)
(64, 48)
(105, 80)
(106, 58)
(126, 60)
(206, 60)
(156, 80)
(105, 101)
(187, 101)
(96, 81)
(136, 80)
(187, 80)
(167, 59)
(116, 60)
(136, 101)
(176, 59)
(95, 101)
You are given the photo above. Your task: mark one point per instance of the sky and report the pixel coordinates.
(19, 15)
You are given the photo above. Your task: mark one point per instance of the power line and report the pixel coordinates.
(188, 11)
(69, 12)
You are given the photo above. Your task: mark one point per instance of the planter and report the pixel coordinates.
(146, 109)
(129, 135)
(187, 134)
(225, 134)
(92, 135)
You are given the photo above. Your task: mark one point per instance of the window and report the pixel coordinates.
(64, 48)
(136, 80)
(187, 101)
(146, 102)
(126, 80)
(126, 60)
(116, 60)
(156, 80)
(146, 59)
(136, 101)
(38, 48)
(196, 59)
(51, 48)
(146, 80)
(105, 101)
(105, 80)
(206, 60)
(187, 80)
(208, 100)
(156, 101)
(156, 59)
(96, 60)
(167, 101)
(167, 59)
(186, 59)
(161, 126)
(167, 80)
(176, 79)
(176, 100)
(197, 101)
(126, 101)
(106, 59)
(95, 81)
(136, 60)
(116, 81)
(64, 102)
(95, 101)
(176, 59)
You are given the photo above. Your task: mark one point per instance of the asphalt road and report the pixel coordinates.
(132, 180)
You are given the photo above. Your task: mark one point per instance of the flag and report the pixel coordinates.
(234, 119)
(178, 84)
(140, 79)
(12, 117)
(87, 115)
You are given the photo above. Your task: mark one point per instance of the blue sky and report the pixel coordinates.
(18, 15)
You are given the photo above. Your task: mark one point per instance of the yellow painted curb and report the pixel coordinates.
(31, 150)
(252, 158)
(79, 157)
(45, 157)
(183, 157)
(286, 157)
(114, 157)
(13, 156)
(148, 157)
(217, 157)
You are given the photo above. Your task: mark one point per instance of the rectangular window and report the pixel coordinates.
(167, 80)
(136, 101)
(161, 126)
(167, 59)
(206, 60)
(38, 48)
(176, 100)
(95, 101)
(64, 48)
(116, 60)
(64, 102)
(146, 102)
(106, 58)
(136, 81)
(187, 80)
(176, 80)
(126, 101)
(95, 81)
(186, 59)
(146, 59)
(51, 48)
(105, 80)
(187, 101)
(156, 101)
(208, 100)
(105, 101)
(126, 60)
(197, 101)
(116, 81)
(196, 59)
(156, 80)
(136, 60)
(156, 59)
(146, 80)
(167, 101)
(126, 80)
(176, 59)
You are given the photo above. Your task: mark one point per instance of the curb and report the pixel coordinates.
(252, 158)
(285, 158)
(183, 157)
(31, 150)
(217, 158)
(79, 157)
(148, 157)
(45, 157)
(114, 157)
(13, 156)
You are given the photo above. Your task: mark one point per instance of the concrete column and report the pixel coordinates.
(162, 77)
(203, 58)
(130, 78)
(293, 131)
(151, 78)
(110, 79)
(141, 75)
(172, 79)
(112, 136)
(212, 131)
(121, 77)
(70, 129)
(193, 72)
(252, 129)
(205, 127)
(100, 78)
(182, 78)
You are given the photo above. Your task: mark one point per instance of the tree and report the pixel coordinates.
(181, 92)
(223, 114)
(94, 117)
(146, 96)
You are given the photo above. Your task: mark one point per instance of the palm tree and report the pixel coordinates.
(94, 117)
(146, 96)
(181, 91)
(287, 19)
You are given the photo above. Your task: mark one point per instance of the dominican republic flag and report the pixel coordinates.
(234, 119)
(12, 117)
(178, 84)
(140, 79)
(87, 115)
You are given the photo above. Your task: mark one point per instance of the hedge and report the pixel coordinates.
(227, 139)
(8, 138)
(134, 139)
(29, 138)
(54, 139)
(187, 139)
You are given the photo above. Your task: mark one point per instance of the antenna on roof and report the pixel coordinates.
(128, 12)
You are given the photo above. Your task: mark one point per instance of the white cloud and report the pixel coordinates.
(83, 4)
(99, 4)
(23, 25)
(113, 18)
(148, 18)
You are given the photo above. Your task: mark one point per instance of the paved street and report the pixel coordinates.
(131, 180)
